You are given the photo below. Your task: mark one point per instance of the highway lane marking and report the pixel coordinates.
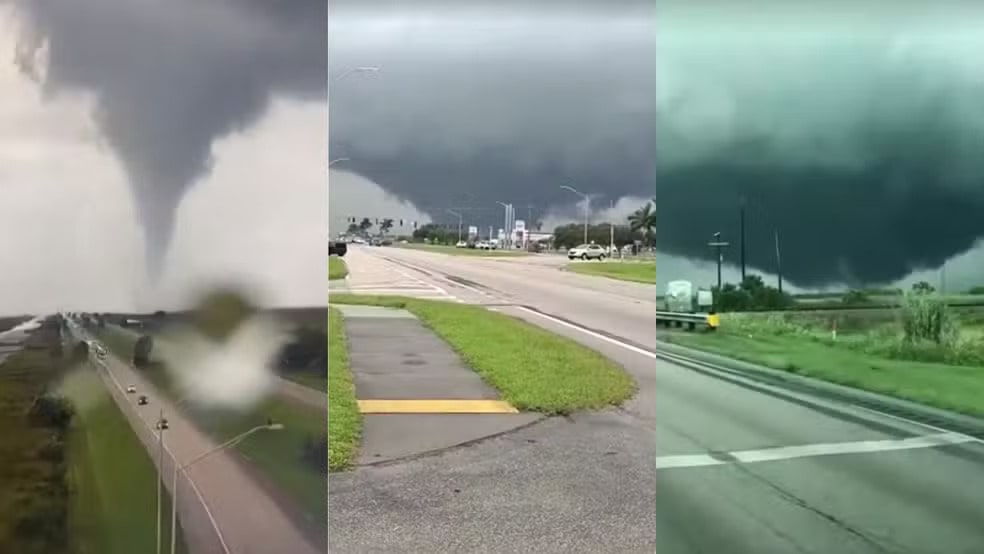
(920, 424)
(810, 451)
(174, 460)
(436, 407)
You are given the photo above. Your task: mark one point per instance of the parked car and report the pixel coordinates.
(337, 248)
(461, 244)
(587, 252)
(142, 400)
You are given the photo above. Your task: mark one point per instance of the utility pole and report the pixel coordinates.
(742, 238)
(778, 261)
(719, 246)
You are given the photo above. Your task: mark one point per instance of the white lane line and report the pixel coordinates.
(920, 424)
(174, 460)
(590, 333)
(811, 450)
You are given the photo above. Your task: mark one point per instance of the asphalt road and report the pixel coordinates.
(694, 463)
(223, 510)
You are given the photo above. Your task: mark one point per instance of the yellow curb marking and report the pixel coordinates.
(436, 407)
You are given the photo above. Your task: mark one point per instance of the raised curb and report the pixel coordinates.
(897, 407)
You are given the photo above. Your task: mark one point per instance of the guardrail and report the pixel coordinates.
(705, 322)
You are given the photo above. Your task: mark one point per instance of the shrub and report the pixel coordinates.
(925, 317)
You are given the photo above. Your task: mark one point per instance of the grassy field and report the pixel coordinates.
(336, 268)
(868, 353)
(292, 458)
(639, 272)
(289, 457)
(35, 494)
(532, 368)
(113, 480)
(453, 251)
(344, 419)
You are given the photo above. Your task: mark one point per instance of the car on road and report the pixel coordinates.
(587, 252)
(337, 248)
(142, 400)
(130, 389)
(461, 244)
(162, 424)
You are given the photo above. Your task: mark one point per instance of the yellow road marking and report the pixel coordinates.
(436, 407)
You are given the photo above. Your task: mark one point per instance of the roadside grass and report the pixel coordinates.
(344, 419)
(533, 369)
(638, 272)
(113, 480)
(289, 457)
(454, 251)
(336, 268)
(292, 458)
(866, 356)
(35, 493)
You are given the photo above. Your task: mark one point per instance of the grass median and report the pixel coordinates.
(637, 272)
(533, 369)
(344, 419)
(869, 357)
(336, 268)
(113, 480)
(455, 251)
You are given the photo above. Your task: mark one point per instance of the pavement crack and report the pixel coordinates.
(867, 538)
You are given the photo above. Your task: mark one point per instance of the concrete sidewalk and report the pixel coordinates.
(415, 392)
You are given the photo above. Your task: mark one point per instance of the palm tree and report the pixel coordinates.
(365, 224)
(353, 228)
(385, 226)
(644, 220)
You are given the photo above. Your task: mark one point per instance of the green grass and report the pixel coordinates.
(336, 268)
(638, 272)
(532, 368)
(280, 455)
(113, 480)
(454, 251)
(33, 489)
(868, 359)
(344, 419)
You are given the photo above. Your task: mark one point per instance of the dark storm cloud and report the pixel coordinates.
(854, 127)
(495, 101)
(860, 141)
(170, 78)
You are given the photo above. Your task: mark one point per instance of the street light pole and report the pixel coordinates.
(505, 219)
(160, 474)
(174, 478)
(587, 200)
(454, 213)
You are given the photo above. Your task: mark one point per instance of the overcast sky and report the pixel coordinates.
(853, 127)
(73, 212)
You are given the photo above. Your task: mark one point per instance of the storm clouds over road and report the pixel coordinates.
(854, 130)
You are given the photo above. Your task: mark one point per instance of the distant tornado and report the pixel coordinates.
(171, 78)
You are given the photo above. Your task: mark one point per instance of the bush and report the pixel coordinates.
(854, 297)
(976, 290)
(52, 410)
(751, 295)
(925, 317)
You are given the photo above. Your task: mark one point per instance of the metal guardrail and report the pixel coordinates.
(707, 322)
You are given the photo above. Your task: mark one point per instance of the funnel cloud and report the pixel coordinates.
(169, 79)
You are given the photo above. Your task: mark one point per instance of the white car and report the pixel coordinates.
(587, 252)
(131, 389)
(461, 244)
